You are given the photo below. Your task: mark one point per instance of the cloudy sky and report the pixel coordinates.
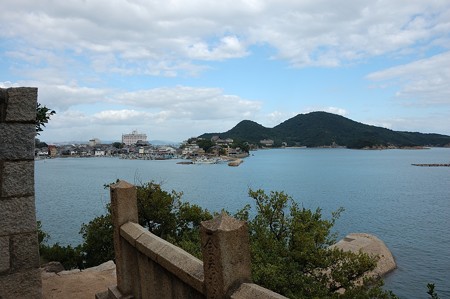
(176, 69)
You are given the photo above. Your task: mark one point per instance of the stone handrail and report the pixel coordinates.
(150, 267)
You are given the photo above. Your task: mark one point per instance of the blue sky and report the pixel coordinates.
(177, 69)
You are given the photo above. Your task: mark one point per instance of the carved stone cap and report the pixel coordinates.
(122, 185)
(223, 222)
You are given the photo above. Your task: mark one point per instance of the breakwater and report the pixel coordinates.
(431, 165)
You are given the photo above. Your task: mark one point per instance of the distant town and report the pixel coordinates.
(134, 145)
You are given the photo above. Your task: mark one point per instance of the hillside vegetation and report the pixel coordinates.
(317, 129)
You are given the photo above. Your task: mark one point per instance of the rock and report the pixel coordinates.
(371, 245)
(54, 267)
(109, 265)
(69, 272)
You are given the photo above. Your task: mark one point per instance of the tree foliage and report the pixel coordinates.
(70, 257)
(161, 212)
(244, 146)
(97, 244)
(43, 115)
(165, 215)
(431, 291)
(118, 145)
(205, 144)
(39, 144)
(291, 254)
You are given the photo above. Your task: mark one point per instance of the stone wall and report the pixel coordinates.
(19, 255)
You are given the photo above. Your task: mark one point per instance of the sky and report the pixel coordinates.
(176, 69)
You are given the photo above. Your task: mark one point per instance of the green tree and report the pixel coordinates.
(291, 254)
(431, 291)
(42, 235)
(39, 144)
(244, 146)
(165, 215)
(97, 244)
(70, 257)
(118, 145)
(42, 117)
(161, 212)
(205, 144)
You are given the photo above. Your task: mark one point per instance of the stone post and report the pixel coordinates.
(226, 255)
(20, 276)
(123, 210)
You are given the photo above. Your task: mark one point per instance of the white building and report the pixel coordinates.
(99, 152)
(134, 137)
(94, 142)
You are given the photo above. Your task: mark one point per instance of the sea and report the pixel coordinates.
(406, 206)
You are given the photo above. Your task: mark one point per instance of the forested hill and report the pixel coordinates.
(323, 129)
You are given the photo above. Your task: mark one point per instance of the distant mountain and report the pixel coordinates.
(323, 129)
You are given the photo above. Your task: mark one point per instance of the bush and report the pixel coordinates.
(290, 254)
(70, 257)
(161, 212)
(97, 244)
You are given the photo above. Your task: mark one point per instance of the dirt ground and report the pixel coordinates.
(76, 284)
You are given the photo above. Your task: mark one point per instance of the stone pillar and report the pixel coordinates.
(226, 255)
(19, 250)
(123, 210)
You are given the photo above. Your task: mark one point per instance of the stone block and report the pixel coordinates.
(2, 104)
(17, 215)
(146, 275)
(18, 178)
(4, 254)
(24, 251)
(163, 281)
(250, 290)
(182, 290)
(115, 293)
(26, 284)
(21, 105)
(186, 267)
(131, 232)
(17, 141)
(226, 255)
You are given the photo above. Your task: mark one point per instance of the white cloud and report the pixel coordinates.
(334, 110)
(183, 102)
(8, 84)
(229, 47)
(120, 116)
(75, 52)
(274, 118)
(424, 82)
(179, 111)
(435, 122)
(305, 33)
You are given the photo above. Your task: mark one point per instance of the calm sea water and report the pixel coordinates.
(407, 207)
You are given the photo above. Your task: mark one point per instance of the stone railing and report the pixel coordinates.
(19, 254)
(150, 267)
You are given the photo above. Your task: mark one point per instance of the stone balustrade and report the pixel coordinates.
(150, 267)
